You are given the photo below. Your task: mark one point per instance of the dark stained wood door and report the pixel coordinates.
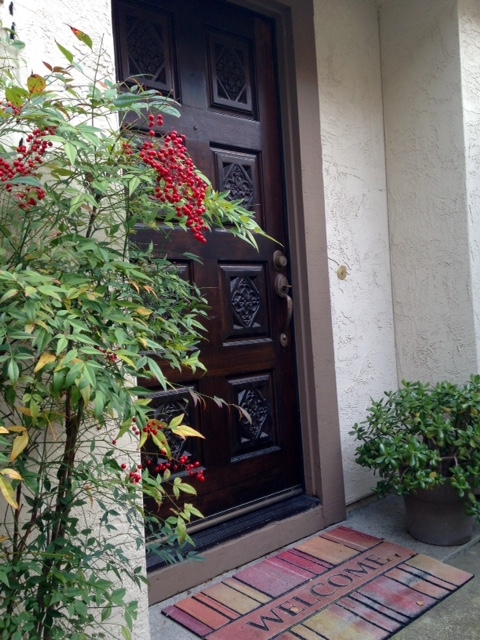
(218, 61)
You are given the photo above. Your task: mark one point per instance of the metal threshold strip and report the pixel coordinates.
(229, 514)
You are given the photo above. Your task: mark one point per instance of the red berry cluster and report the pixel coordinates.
(153, 427)
(177, 466)
(159, 465)
(178, 183)
(9, 108)
(30, 157)
(108, 355)
(135, 429)
(135, 475)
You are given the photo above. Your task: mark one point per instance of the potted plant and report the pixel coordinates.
(424, 442)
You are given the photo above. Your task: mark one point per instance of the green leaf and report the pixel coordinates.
(13, 371)
(99, 403)
(16, 95)
(157, 372)
(4, 578)
(30, 180)
(71, 152)
(106, 613)
(73, 374)
(68, 55)
(8, 294)
(133, 184)
(117, 597)
(187, 488)
(126, 633)
(86, 393)
(61, 344)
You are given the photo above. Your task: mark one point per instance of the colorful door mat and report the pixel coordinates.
(342, 585)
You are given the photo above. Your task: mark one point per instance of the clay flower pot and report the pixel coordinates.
(437, 516)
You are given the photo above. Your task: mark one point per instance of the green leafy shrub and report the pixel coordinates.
(422, 434)
(84, 313)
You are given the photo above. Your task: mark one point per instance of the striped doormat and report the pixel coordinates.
(341, 585)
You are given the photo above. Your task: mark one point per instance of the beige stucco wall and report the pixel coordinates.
(351, 114)
(429, 194)
(469, 31)
(39, 24)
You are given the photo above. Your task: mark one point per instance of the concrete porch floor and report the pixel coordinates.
(456, 618)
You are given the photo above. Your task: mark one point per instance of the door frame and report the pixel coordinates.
(315, 363)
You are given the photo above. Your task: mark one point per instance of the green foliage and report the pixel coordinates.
(84, 313)
(422, 434)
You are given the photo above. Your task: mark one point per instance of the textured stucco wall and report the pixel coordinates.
(469, 30)
(351, 114)
(39, 24)
(426, 176)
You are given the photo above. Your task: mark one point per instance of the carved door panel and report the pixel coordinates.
(218, 61)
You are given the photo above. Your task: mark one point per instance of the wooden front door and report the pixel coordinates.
(218, 61)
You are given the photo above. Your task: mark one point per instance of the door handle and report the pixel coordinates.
(281, 289)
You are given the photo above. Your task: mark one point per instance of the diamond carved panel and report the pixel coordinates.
(245, 300)
(230, 69)
(238, 173)
(255, 430)
(147, 49)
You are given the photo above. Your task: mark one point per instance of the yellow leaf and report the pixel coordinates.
(17, 429)
(3, 539)
(135, 286)
(19, 445)
(150, 290)
(177, 421)
(26, 411)
(44, 359)
(29, 327)
(3, 430)
(183, 431)
(7, 491)
(36, 83)
(11, 473)
(144, 312)
(143, 439)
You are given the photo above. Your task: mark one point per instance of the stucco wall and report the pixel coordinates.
(39, 24)
(426, 175)
(351, 114)
(469, 30)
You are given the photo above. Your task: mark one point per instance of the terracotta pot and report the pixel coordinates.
(437, 516)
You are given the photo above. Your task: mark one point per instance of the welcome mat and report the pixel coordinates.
(341, 585)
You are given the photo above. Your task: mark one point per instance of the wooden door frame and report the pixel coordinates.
(299, 95)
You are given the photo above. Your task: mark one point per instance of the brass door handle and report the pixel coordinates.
(281, 289)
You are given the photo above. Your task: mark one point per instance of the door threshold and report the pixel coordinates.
(167, 581)
(218, 534)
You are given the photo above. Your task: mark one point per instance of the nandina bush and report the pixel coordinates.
(84, 313)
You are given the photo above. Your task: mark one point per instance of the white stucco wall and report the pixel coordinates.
(39, 24)
(351, 112)
(469, 30)
(427, 185)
